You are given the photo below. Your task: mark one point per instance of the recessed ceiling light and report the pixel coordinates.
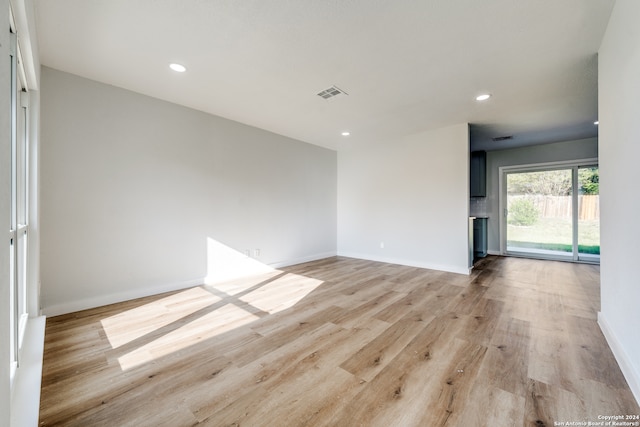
(483, 97)
(596, 122)
(346, 133)
(178, 67)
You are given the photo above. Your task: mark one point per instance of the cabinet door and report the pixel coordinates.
(477, 174)
(480, 237)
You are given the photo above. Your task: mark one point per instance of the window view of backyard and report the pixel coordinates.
(540, 212)
(589, 211)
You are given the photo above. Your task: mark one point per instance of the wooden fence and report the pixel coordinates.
(560, 206)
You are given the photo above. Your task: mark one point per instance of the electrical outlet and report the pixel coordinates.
(381, 245)
(256, 253)
(247, 252)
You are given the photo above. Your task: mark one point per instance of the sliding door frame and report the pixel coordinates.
(24, 280)
(537, 167)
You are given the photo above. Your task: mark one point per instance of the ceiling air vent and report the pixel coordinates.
(331, 92)
(502, 138)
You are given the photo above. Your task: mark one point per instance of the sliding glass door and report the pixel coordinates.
(19, 214)
(552, 212)
(589, 213)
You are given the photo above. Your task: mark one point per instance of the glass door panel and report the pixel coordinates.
(539, 213)
(546, 218)
(589, 213)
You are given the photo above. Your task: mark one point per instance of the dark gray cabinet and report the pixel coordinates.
(478, 174)
(480, 237)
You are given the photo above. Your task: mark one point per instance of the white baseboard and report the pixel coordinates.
(494, 252)
(410, 263)
(25, 394)
(302, 260)
(99, 301)
(624, 361)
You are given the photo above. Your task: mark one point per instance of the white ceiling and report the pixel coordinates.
(407, 65)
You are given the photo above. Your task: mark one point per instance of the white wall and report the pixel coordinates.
(5, 206)
(619, 109)
(560, 151)
(413, 195)
(133, 188)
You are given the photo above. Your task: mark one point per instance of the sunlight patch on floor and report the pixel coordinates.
(224, 319)
(132, 324)
(282, 293)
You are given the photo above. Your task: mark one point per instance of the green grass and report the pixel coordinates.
(555, 234)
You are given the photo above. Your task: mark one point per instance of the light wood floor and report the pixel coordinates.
(343, 342)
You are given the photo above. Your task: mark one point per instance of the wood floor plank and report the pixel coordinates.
(288, 333)
(343, 342)
(552, 357)
(546, 405)
(482, 322)
(507, 361)
(428, 298)
(489, 406)
(368, 361)
(277, 397)
(366, 310)
(234, 392)
(466, 300)
(596, 362)
(396, 394)
(604, 399)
